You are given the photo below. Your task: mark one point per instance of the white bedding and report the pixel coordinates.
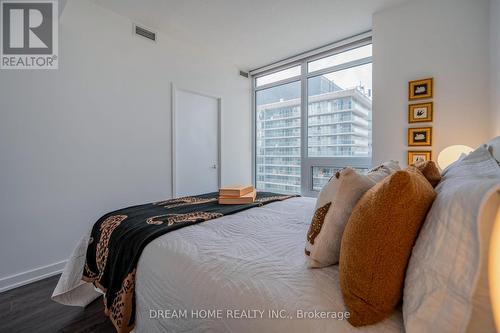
(252, 260)
(446, 287)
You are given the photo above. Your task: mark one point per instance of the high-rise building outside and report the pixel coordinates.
(339, 125)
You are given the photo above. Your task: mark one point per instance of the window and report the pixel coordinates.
(340, 58)
(339, 113)
(277, 136)
(278, 76)
(313, 119)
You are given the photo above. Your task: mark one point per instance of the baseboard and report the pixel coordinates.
(40, 273)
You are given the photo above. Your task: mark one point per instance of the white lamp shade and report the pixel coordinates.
(451, 154)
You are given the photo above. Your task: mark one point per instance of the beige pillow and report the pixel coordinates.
(333, 208)
(377, 244)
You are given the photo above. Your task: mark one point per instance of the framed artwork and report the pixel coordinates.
(420, 136)
(415, 156)
(420, 113)
(420, 89)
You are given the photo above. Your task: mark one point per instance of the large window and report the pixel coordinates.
(312, 118)
(278, 138)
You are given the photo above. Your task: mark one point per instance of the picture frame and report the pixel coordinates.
(419, 155)
(420, 136)
(420, 89)
(420, 113)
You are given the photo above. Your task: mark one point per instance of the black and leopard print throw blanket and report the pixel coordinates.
(118, 239)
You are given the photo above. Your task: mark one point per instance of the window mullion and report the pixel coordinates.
(305, 182)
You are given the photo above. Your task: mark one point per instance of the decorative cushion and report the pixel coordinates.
(494, 148)
(430, 171)
(377, 244)
(333, 208)
(446, 288)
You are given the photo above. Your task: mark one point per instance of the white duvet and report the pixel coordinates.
(246, 272)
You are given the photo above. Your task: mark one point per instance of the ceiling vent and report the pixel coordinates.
(145, 33)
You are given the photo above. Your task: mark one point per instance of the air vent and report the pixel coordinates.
(244, 74)
(145, 33)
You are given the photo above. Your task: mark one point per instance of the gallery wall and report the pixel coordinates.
(447, 40)
(94, 136)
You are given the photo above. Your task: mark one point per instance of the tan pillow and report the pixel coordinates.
(333, 208)
(430, 171)
(377, 244)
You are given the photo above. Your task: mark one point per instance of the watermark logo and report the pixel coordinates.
(29, 36)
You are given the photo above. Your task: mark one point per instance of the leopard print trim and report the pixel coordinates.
(120, 311)
(185, 201)
(88, 275)
(317, 222)
(102, 250)
(273, 198)
(176, 218)
(153, 220)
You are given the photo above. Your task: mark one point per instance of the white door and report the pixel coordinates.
(195, 143)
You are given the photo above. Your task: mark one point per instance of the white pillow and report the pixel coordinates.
(494, 147)
(441, 289)
(479, 162)
(333, 209)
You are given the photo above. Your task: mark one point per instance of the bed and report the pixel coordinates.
(252, 260)
(247, 272)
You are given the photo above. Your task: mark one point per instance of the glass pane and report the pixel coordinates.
(321, 175)
(340, 58)
(278, 76)
(340, 113)
(278, 138)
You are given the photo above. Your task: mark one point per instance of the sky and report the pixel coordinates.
(353, 77)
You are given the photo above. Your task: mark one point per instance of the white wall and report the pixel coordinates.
(495, 64)
(447, 40)
(94, 136)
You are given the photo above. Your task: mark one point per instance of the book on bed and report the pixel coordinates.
(244, 199)
(235, 190)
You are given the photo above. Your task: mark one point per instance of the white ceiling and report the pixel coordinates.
(253, 33)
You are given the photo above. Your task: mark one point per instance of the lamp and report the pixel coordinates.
(451, 154)
(494, 270)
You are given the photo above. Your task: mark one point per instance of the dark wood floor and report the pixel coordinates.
(30, 309)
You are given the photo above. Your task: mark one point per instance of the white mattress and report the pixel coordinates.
(249, 261)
